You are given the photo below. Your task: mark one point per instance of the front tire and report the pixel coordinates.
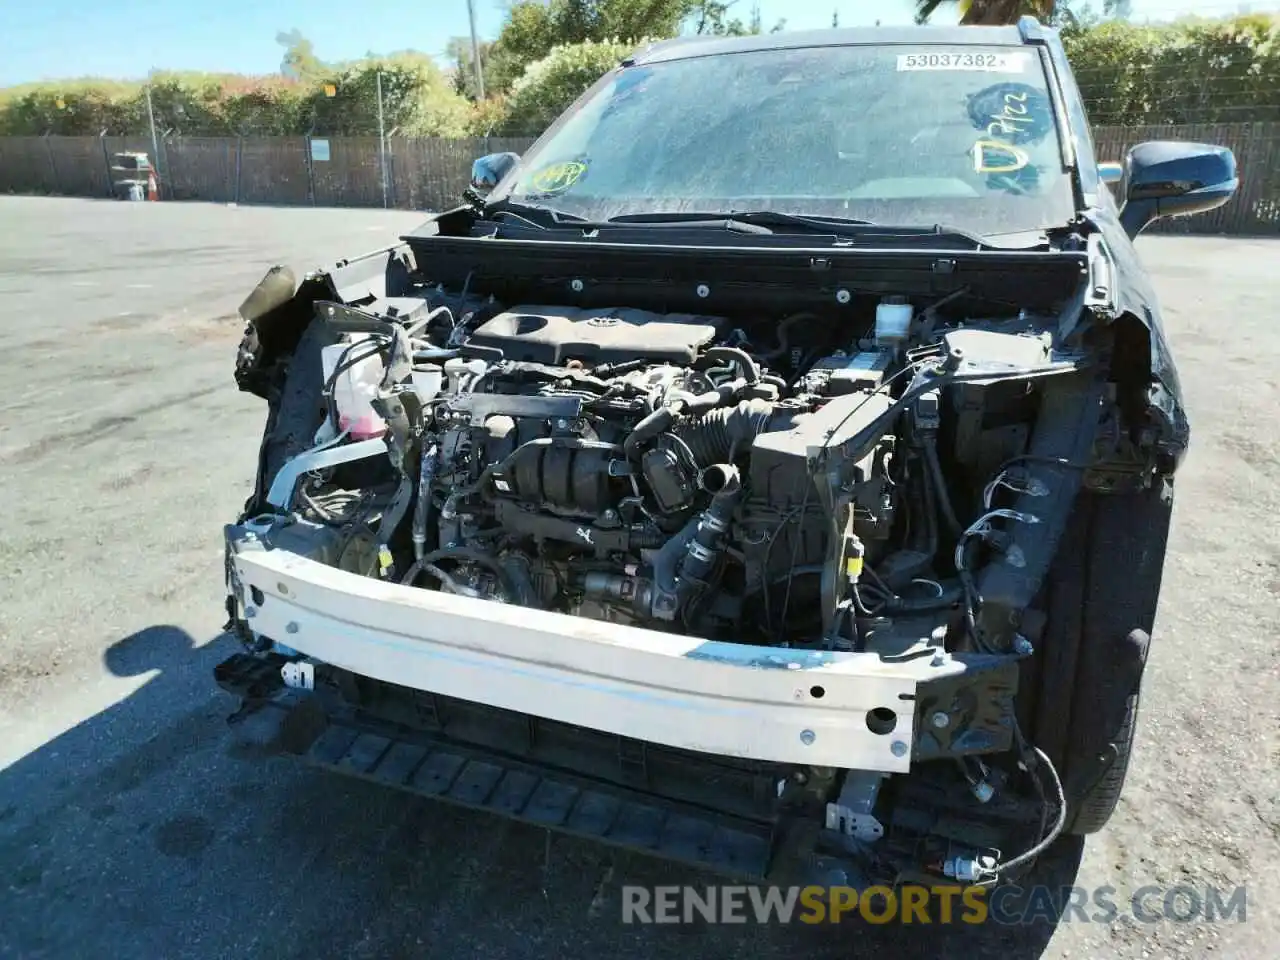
(1094, 808)
(1103, 597)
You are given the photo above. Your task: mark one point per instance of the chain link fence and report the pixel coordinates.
(430, 174)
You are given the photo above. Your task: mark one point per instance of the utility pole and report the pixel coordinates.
(475, 51)
(382, 144)
(155, 142)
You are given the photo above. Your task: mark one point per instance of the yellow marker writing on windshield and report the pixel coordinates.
(557, 177)
(994, 156)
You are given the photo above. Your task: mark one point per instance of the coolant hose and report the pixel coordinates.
(929, 516)
(952, 594)
(940, 486)
(659, 421)
(708, 539)
(784, 331)
(747, 368)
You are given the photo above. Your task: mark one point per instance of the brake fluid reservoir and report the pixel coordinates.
(893, 320)
(356, 386)
(428, 379)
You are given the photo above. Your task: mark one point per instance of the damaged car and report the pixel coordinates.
(777, 482)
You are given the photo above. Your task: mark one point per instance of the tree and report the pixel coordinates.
(987, 12)
(551, 84)
(527, 35)
(534, 27)
(300, 61)
(1065, 14)
(464, 73)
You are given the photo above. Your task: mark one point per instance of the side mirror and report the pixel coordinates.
(487, 171)
(1169, 178)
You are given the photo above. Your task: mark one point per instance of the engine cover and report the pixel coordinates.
(554, 334)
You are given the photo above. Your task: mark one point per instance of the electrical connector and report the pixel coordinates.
(854, 555)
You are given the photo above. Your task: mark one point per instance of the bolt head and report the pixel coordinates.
(291, 627)
(576, 286)
(940, 719)
(807, 737)
(898, 748)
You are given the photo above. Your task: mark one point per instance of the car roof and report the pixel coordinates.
(681, 48)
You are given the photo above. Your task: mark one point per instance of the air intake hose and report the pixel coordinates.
(713, 437)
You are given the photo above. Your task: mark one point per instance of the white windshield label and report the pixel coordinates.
(964, 60)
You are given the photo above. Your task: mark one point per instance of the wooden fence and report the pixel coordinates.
(1255, 208)
(422, 174)
(430, 174)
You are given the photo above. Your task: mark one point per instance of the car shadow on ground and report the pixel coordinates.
(153, 829)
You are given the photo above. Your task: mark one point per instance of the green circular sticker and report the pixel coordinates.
(557, 177)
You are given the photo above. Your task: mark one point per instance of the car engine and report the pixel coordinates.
(637, 468)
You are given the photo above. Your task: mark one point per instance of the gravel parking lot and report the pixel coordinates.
(132, 825)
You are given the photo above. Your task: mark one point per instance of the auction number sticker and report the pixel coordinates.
(964, 60)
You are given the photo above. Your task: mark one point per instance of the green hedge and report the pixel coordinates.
(418, 98)
(1194, 71)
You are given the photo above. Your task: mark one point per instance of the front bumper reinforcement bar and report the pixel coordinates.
(820, 708)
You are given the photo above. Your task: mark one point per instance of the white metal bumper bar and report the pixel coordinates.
(789, 706)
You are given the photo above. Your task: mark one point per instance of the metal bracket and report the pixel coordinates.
(479, 406)
(282, 487)
(851, 813)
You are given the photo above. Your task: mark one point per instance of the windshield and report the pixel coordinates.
(902, 135)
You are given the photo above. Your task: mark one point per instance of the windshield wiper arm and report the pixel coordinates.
(817, 224)
(749, 221)
(756, 218)
(532, 213)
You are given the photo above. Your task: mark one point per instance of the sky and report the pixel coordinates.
(49, 39)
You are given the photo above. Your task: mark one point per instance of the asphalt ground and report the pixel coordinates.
(132, 824)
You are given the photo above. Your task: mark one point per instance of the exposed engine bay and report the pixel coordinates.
(869, 484)
(781, 481)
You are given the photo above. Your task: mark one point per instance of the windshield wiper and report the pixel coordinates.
(533, 214)
(755, 218)
(755, 221)
(843, 227)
